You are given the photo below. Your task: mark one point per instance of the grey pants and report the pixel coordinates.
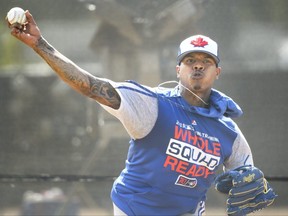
(200, 211)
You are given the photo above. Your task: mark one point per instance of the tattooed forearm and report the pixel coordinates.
(104, 92)
(83, 82)
(64, 67)
(42, 44)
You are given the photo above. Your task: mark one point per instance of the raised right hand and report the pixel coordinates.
(30, 34)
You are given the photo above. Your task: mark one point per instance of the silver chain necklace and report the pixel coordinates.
(179, 84)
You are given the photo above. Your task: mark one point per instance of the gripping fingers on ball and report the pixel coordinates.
(16, 15)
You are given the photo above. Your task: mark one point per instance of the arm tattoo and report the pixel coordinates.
(105, 91)
(80, 80)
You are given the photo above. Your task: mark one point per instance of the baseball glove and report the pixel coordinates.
(248, 191)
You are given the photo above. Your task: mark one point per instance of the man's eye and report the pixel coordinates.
(208, 61)
(190, 61)
(203, 61)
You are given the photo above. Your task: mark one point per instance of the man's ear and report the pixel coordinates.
(177, 71)
(218, 72)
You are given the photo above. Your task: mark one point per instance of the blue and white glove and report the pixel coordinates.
(248, 191)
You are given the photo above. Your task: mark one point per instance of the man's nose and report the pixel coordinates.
(198, 66)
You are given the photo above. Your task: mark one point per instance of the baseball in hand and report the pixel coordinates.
(16, 16)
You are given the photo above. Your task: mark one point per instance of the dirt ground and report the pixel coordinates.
(209, 212)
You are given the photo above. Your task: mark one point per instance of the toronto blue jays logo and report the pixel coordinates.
(199, 42)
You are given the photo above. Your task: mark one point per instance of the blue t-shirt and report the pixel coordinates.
(169, 171)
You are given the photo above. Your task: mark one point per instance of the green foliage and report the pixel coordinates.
(10, 48)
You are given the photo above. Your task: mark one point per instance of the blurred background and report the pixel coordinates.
(60, 151)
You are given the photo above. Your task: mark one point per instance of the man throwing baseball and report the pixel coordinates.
(179, 136)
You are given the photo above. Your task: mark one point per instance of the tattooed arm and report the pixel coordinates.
(80, 80)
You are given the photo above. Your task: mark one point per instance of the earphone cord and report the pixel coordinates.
(179, 84)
